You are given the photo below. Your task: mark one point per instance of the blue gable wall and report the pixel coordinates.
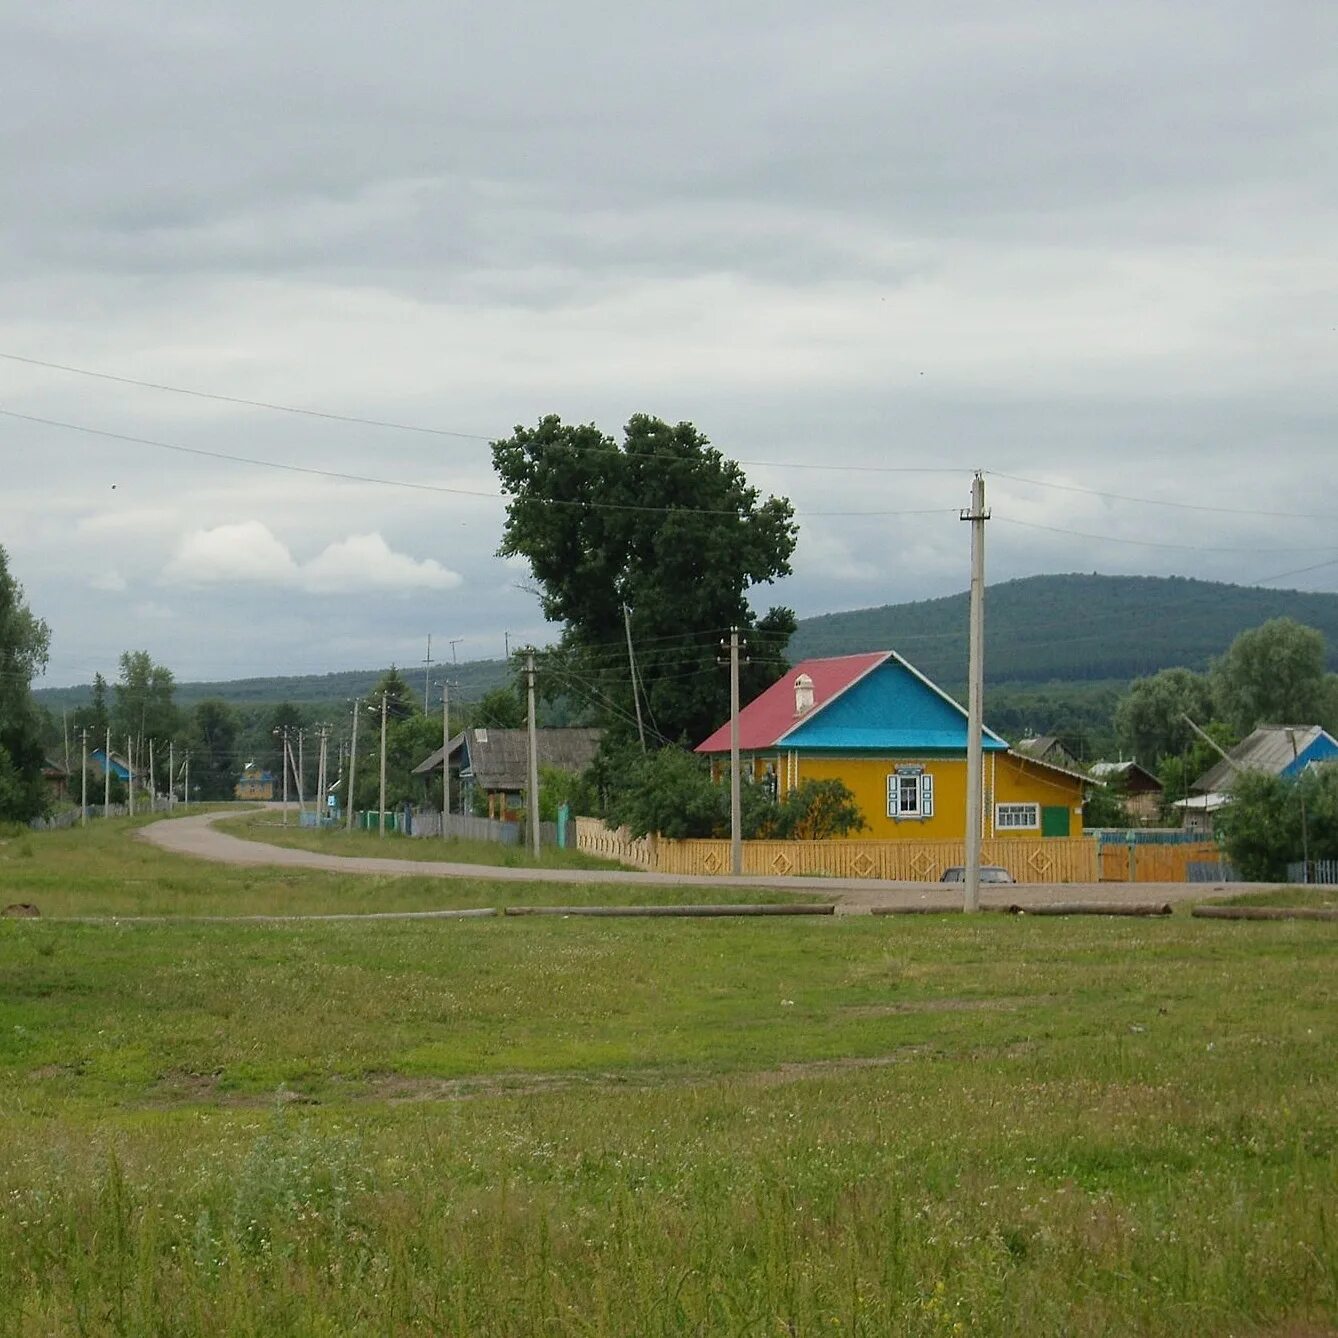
(1324, 749)
(888, 709)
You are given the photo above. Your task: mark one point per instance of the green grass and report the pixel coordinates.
(269, 828)
(100, 870)
(1289, 894)
(920, 1125)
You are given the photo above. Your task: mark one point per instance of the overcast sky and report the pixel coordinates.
(1085, 245)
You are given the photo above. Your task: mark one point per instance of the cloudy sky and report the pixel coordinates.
(1092, 249)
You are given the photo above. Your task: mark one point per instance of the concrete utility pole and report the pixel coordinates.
(187, 803)
(532, 798)
(427, 672)
(975, 700)
(153, 784)
(352, 765)
(299, 770)
(106, 777)
(130, 773)
(1305, 825)
(454, 643)
(171, 774)
(735, 776)
(83, 780)
(385, 706)
(631, 665)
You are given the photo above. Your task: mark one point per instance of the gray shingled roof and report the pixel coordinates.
(1269, 750)
(499, 758)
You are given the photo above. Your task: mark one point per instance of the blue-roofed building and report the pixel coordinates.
(899, 743)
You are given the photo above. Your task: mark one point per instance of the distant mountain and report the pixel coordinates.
(1070, 628)
(1040, 630)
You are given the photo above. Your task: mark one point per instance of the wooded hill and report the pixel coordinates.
(1084, 630)
(1070, 628)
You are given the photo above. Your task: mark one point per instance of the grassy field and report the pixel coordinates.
(921, 1125)
(269, 828)
(101, 870)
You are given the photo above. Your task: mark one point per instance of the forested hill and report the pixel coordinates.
(1076, 627)
(1042, 629)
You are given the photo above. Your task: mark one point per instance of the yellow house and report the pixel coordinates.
(899, 743)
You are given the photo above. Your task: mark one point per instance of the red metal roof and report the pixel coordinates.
(766, 718)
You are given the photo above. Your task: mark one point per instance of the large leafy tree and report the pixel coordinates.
(1150, 718)
(212, 737)
(24, 641)
(664, 526)
(1262, 829)
(144, 705)
(1273, 673)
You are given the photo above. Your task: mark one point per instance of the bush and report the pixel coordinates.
(1261, 827)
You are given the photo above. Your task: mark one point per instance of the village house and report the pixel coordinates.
(255, 783)
(495, 763)
(899, 743)
(1270, 750)
(1136, 787)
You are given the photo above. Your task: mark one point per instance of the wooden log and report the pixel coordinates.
(681, 911)
(1089, 908)
(1265, 912)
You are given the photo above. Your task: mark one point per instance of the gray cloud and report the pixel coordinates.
(1083, 245)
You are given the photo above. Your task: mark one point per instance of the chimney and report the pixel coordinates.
(803, 694)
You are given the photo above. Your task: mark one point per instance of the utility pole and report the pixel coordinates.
(631, 665)
(65, 733)
(427, 671)
(385, 703)
(171, 774)
(975, 700)
(187, 803)
(299, 770)
(153, 784)
(281, 733)
(735, 769)
(532, 798)
(130, 772)
(1305, 829)
(454, 644)
(106, 777)
(445, 754)
(83, 780)
(352, 765)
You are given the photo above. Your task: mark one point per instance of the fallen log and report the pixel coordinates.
(1265, 912)
(1089, 908)
(684, 911)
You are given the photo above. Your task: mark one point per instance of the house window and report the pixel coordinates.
(910, 794)
(1016, 817)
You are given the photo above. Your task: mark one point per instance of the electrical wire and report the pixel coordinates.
(1157, 543)
(343, 477)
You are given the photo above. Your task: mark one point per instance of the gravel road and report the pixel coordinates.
(198, 837)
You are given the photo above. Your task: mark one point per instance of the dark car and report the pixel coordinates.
(989, 873)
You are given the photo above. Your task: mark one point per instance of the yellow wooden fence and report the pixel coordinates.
(1052, 860)
(1141, 862)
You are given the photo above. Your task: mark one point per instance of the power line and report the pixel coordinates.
(314, 471)
(331, 416)
(1158, 543)
(1157, 501)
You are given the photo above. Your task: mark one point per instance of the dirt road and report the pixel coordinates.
(198, 837)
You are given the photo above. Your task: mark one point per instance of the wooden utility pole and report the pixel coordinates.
(445, 754)
(427, 676)
(631, 665)
(187, 789)
(532, 798)
(385, 706)
(281, 733)
(153, 784)
(352, 765)
(975, 699)
(106, 777)
(83, 780)
(130, 773)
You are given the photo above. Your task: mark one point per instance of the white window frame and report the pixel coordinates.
(1009, 823)
(913, 782)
